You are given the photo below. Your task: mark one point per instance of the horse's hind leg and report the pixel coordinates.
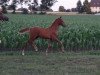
(25, 46)
(49, 46)
(23, 52)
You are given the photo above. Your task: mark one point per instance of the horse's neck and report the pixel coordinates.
(54, 26)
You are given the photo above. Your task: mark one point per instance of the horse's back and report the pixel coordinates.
(40, 32)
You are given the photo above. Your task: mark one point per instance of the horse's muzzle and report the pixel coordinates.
(64, 25)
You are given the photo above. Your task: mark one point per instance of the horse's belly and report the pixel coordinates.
(42, 33)
(45, 35)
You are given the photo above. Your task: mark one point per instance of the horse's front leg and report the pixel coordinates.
(60, 43)
(35, 47)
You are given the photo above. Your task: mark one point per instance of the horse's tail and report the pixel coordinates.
(24, 30)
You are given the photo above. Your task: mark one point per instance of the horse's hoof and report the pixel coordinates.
(63, 51)
(23, 54)
(36, 50)
(46, 54)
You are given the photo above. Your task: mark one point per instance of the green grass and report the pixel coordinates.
(81, 33)
(36, 63)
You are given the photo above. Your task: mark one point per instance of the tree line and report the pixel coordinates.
(81, 8)
(85, 7)
(45, 5)
(32, 5)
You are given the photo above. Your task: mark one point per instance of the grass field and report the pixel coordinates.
(36, 63)
(81, 39)
(82, 32)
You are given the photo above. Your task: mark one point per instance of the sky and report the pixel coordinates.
(68, 4)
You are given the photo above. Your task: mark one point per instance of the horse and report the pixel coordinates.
(49, 33)
(3, 17)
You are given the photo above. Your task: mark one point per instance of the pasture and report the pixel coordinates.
(82, 32)
(81, 39)
(36, 63)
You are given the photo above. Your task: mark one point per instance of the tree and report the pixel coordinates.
(79, 7)
(33, 6)
(35, 3)
(21, 2)
(74, 9)
(13, 6)
(3, 5)
(87, 7)
(46, 4)
(62, 9)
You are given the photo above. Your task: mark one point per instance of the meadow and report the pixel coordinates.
(36, 63)
(81, 39)
(82, 32)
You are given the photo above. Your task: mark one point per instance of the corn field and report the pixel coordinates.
(81, 32)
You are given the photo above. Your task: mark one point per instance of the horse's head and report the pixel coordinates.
(60, 22)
